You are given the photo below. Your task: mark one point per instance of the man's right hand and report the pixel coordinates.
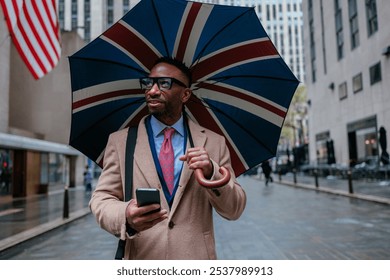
(140, 219)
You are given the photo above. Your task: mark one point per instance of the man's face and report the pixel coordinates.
(166, 104)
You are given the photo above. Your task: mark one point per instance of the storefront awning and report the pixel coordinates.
(11, 141)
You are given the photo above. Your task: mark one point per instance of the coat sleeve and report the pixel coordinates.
(107, 200)
(229, 200)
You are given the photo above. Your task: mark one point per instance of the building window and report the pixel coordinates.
(57, 168)
(312, 42)
(357, 83)
(74, 14)
(372, 17)
(339, 29)
(110, 12)
(353, 22)
(126, 6)
(274, 11)
(6, 167)
(321, 147)
(343, 92)
(87, 20)
(366, 144)
(375, 73)
(61, 14)
(268, 12)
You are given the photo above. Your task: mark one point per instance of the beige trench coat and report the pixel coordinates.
(188, 233)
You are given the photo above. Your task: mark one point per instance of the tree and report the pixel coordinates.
(294, 130)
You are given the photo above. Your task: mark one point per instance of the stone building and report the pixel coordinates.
(347, 54)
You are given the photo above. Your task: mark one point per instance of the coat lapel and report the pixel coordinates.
(144, 160)
(199, 138)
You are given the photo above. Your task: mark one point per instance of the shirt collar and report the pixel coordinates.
(158, 126)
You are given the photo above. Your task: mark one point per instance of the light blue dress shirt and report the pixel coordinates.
(177, 141)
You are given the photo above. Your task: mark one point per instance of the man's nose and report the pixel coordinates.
(154, 90)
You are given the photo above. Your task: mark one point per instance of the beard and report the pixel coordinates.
(168, 113)
(160, 113)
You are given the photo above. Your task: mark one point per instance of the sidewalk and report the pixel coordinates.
(370, 190)
(22, 219)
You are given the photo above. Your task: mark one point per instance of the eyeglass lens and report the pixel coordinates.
(162, 83)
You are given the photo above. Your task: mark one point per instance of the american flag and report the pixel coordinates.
(34, 30)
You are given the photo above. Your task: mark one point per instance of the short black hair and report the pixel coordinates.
(178, 64)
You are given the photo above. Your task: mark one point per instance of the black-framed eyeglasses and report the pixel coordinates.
(162, 82)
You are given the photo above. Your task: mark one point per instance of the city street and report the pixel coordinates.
(279, 223)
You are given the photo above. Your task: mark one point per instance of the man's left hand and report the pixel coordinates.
(198, 157)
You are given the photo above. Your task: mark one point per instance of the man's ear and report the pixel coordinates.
(186, 95)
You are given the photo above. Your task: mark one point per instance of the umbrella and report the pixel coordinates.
(383, 144)
(242, 88)
(330, 149)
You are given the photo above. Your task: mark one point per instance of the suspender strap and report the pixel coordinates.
(130, 147)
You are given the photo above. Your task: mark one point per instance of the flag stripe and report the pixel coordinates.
(11, 19)
(30, 41)
(33, 26)
(34, 30)
(51, 36)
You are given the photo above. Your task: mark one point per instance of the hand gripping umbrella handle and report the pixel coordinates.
(213, 184)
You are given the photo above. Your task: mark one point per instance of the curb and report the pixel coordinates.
(371, 198)
(38, 230)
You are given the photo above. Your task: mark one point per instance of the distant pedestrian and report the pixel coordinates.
(87, 180)
(267, 170)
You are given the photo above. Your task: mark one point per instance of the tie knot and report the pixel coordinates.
(168, 132)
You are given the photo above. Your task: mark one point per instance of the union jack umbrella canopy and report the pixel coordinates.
(242, 88)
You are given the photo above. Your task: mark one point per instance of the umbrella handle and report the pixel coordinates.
(213, 184)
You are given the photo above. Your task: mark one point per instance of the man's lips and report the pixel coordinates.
(154, 102)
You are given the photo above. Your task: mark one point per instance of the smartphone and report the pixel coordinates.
(146, 196)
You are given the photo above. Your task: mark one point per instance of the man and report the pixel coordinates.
(183, 227)
(87, 180)
(267, 170)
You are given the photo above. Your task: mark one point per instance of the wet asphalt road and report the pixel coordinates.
(279, 223)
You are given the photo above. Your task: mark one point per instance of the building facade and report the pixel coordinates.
(91, 17)
(347, 54)
(35, 123)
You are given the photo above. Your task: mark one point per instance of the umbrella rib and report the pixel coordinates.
(215, 35)
(213, 108)
(139, 100)
(160, 27)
